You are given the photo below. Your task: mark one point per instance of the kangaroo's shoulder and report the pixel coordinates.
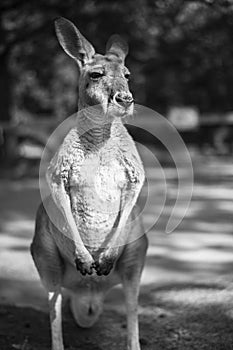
(69, 152)
(71, 145)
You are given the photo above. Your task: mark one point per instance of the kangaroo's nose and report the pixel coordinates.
(123, 98)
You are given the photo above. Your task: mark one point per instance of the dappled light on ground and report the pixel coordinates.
(172, 316)
(187, 285)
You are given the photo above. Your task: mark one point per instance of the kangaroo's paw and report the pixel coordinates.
(85, 267)
(104, 264)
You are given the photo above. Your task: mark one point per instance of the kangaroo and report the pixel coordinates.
(95, 179)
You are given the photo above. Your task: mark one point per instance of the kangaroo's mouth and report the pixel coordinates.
(120, 104)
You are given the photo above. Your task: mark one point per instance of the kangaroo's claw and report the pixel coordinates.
(83, 267)
(104, 266)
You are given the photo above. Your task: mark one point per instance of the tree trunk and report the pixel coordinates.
(5, 90)
(7, 139)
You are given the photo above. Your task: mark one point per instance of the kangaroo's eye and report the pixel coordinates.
(96, 75)
(127, 76)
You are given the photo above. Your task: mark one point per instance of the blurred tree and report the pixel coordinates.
(192, 58)
(181, 52)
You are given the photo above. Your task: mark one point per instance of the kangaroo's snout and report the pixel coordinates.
(124, 99)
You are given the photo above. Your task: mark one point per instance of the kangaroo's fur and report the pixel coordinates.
(96, 240)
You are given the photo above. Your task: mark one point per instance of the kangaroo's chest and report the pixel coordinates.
(98, 178)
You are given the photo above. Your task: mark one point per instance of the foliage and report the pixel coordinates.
(181, 52)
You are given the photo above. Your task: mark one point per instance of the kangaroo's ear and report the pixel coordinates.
(117, 46)
(73, 42)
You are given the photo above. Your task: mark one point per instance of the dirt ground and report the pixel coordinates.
(186, 299)
(164, 323)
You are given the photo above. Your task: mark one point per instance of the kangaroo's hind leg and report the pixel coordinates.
(49, 265)
(130, 266)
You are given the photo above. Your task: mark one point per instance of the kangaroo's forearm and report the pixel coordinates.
(62, 200)
(127, 203)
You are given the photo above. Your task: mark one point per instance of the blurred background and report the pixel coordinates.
(180, 56)
(181, 63)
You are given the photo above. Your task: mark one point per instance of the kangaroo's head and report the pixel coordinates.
(103, 78)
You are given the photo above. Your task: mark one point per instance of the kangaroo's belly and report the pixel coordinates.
(95, 193)
(94, 217)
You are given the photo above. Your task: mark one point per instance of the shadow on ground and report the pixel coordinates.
(186, 297)
(180, 317)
